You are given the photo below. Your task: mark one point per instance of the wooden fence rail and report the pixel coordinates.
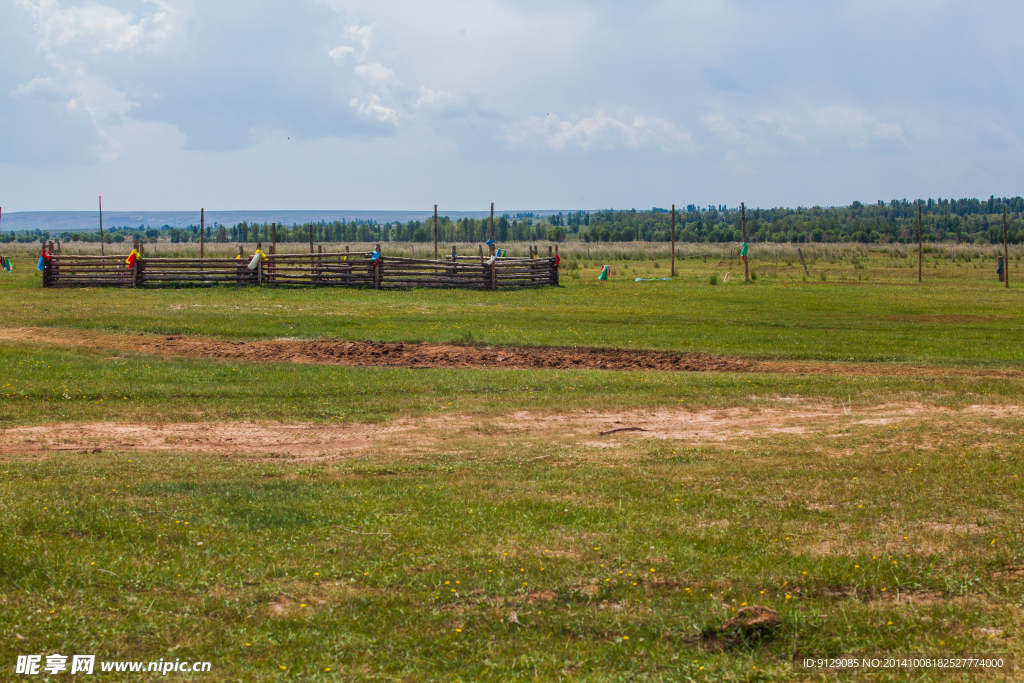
(342, 269)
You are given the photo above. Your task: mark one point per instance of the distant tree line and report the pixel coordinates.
(951, 220)
(962, 220)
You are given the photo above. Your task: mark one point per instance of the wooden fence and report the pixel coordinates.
(344, 269)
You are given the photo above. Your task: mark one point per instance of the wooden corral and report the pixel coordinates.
(344, 269)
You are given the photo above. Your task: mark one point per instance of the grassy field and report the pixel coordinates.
(869, 308)
(482, 528)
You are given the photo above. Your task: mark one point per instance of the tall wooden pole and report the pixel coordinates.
(101, 226)
(743, 220)
(673, 274)
(435, 232)
(920, 250)
(202, 232)
(271, 274)
(1006, 252)
(310, 247)
(492, 229)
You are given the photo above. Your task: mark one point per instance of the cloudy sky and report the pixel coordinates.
(304, 104)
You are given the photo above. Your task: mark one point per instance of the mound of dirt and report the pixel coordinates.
(449, 355)
(370, 353)
(440, 355)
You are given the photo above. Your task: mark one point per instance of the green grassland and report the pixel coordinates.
(869, 307)
(866, 538)
(405, 562)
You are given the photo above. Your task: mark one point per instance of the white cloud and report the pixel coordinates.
(600, 130)
(339, 53)
(774, 133)
(721, 126)
(99, 27)
(375, 72)
(363, 35)
(855, 126)
(374, 109)
(432, 99)
(70, 38)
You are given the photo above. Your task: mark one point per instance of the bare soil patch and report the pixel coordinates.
(227, 438)
(441, 355)
(752, 626)
(370, 353)
(407, 436)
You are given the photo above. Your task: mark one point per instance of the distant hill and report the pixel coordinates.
(83, 221)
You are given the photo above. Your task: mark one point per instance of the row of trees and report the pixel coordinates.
(964, 220)
(460, 230)
(960, 220)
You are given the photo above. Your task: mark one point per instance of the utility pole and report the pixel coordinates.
(492, 229)
(435, 232)
(101, 226)
(202, 232)
(743, 220)
(1006, 253)
(920, 251)
(673, 274)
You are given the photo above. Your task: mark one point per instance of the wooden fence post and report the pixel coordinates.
(271, 267)
(376, 269)
(102, 253)
(1006, 252)
(743, 220)
(673, 271)
(492, 231)
(435, 232)
(920, 249)
(800, 251)
(202, 233)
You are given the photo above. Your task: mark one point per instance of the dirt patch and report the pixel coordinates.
(574, 433)
(259, 440)
(540, 596)
(751, 626)
(370, 353)
(439, 355)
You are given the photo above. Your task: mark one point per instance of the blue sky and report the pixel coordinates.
(175, 104)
